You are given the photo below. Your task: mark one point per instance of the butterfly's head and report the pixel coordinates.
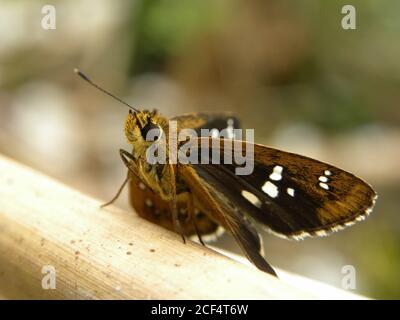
(143, 128)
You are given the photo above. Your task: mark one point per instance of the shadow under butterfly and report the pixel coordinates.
(293, 196)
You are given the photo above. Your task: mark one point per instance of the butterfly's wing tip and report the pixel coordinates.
(270, 270)
(324, 232)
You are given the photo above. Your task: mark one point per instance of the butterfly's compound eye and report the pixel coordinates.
(151, 132)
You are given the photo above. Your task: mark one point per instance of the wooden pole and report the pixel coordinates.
(46, 227)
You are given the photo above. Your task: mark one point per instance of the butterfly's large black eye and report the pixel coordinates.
(151, 132)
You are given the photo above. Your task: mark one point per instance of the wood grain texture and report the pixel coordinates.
(110, 253)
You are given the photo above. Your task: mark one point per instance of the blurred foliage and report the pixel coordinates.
(338, 70)
(162, 29)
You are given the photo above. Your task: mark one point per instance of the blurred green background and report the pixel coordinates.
(287, 68)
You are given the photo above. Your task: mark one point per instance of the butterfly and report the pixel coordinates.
(290, 195)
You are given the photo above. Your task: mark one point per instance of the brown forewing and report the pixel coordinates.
(309, 210)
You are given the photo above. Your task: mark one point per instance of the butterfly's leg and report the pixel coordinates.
(128, 160)
(192, 216)
(175, 219)
(177, 224)
(118, 192)
(125, 156)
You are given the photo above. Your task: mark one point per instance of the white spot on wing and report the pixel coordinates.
(149, 203)
(253, 199)
(327, 173)
(142, 186)
(276, 174)
(270, 189)
(290, 192)
(323, 179)
(324, 185)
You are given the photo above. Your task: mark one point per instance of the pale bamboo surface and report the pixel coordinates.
(113, 254)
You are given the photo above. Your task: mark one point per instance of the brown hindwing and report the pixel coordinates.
(152, 207)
